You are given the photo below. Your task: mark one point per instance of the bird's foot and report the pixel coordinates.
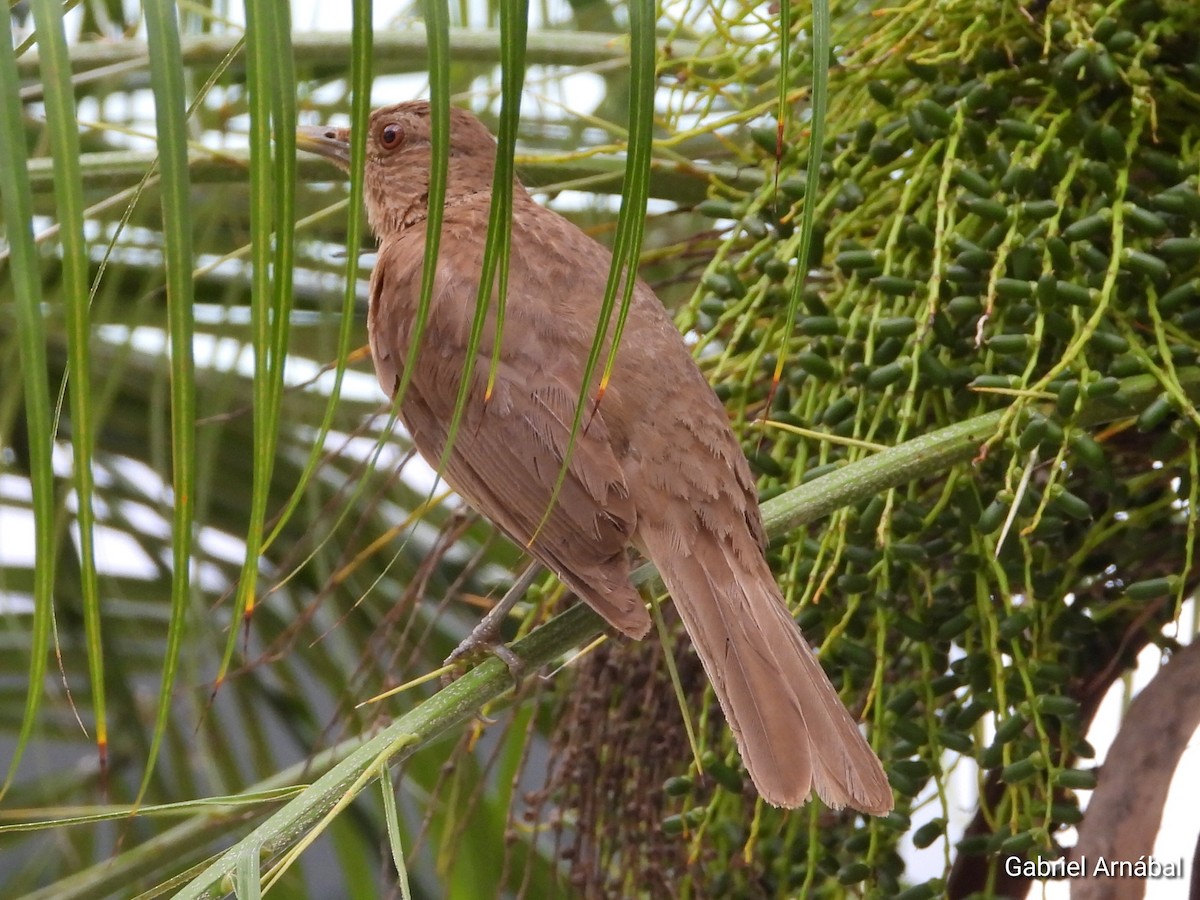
(485, 638)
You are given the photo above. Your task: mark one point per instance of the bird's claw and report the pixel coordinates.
(485, 636)
(485, 639)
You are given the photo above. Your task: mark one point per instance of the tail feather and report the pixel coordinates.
(792, 730)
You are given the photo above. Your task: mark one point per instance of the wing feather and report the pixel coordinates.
(510, 448)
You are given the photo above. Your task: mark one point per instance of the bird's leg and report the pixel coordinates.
(486, 635)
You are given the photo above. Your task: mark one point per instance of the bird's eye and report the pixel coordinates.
(390, 136)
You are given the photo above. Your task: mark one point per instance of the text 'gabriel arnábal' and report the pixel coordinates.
(1147, 867)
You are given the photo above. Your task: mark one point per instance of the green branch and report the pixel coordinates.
(683, 183)
(934, 453)
(393, 50)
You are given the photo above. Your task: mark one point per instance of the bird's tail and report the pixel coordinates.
(792, 729)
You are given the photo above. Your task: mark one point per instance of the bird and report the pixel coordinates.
(655, 467)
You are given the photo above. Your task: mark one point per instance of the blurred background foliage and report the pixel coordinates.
(1007, 218)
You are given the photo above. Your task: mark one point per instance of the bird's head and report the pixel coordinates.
(399, 155)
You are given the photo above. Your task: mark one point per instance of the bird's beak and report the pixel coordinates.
(327, 141)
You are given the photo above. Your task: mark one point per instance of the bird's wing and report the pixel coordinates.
(507, 456)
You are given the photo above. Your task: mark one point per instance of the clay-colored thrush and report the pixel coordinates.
(657, 466)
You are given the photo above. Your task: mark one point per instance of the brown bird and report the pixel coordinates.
(657, 466)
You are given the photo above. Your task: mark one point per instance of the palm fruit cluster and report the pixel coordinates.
(1008, 219)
